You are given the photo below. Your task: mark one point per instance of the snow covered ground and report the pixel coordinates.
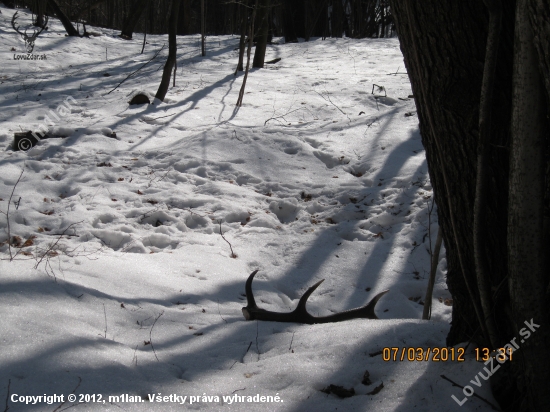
(124, 285)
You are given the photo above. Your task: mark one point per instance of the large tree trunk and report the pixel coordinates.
(184, 23)
(172, 50)
(528, 279)
(133, 18)
(40, 9)
(71, 31)
(293, 20)
(337, 19)
(261, 44)
(443, 44)
(243, 11)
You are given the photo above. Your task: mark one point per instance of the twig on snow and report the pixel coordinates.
(151, 332)
(328, 99)
(8, 396)
(233, 255)
(281, 117)
(220, 312)
(74, 390)
(7, 213)
(105, 314)
(47, 252)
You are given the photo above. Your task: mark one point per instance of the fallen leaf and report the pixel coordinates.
(29, 241)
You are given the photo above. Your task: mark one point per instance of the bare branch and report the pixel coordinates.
(8, 213)
(131, 74)
(233, 255)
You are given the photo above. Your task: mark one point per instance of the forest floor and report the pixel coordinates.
(121, 282)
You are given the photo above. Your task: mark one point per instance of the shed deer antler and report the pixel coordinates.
(300, 314)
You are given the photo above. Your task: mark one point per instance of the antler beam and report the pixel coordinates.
(300, 314)
(14, 17)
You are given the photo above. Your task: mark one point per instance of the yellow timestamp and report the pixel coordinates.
(423, 354)
(501, 354)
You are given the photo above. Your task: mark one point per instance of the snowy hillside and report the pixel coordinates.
(122, 283)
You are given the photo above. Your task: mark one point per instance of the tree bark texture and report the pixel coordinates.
(172, 50)
(446, 81)
(444, 46)
(540, 23)
(527, 275)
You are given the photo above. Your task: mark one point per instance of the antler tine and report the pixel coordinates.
(251, 303)
(303, 300)
(300, 314)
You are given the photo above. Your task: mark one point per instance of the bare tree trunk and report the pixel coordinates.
(250, 37)
(203, 23)
(261, 43)
(446, 74)
(527, 279)
(40, 9)
(172, 50)
(482, 178)
(71, 31)
(184, 23)
(144, 36)
(132, 19)
(244, 20)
